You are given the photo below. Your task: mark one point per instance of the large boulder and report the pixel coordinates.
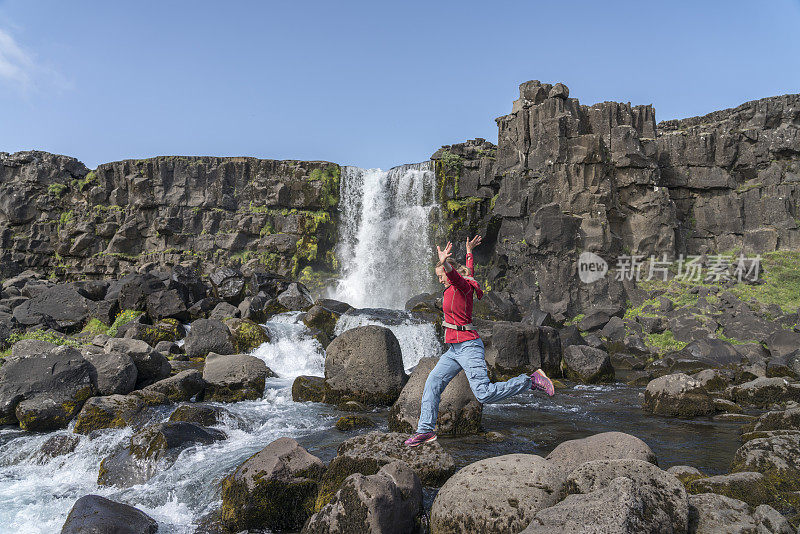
(776, 457)
(60, 306)
(152, 450)
(246, 335)
(208, 335)
(296, 297)
(182, 386)
(750, 487)
(45, 392)
(588, 365)
(459, 410)
(388, 502)
(624, 506)
(517, 348)
(112, 411)
(677, 395)
(364, 364)
(783, 342)
(711, 352)
(234, 377)
(776, 420)
(275, 488)
(151, 365)
(496, 495)
(228, 284)
(201, 414)
(308, 389)
(766, 391)
(710, 513)
(113, 372)
(367, 453)
(569, 455)
(667, 499)
(95, 514)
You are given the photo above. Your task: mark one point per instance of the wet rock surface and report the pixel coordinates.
(274, 488)
(459, 410)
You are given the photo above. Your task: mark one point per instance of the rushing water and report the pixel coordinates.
(36, 493)
(384, 243)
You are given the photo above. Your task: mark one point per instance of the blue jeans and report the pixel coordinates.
(467, 355)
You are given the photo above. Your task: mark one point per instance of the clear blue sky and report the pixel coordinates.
(373, 84)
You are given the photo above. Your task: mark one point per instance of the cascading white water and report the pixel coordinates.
(37, 492)
(385, 252)
(384, 243)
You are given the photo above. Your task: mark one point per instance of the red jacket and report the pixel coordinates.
(457, 303)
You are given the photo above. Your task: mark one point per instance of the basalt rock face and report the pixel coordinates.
(563, 178)
(165, 210)
(566, 178)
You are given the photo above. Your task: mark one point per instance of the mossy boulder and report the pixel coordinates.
(45, 392)
(710, 513)
(677, 395)
(764, 391)
(163, 330)
(367, 453)
(587, 365)
(308, 388)
(776, 420)
(322, 318)
(275, 488)
(750, 487)
(776, 457)
(246, 335)
(152, 450)
(685, 473)
(201, 414)
(670, 506)
(353, 422)
(112, 411)
(390, 502)
(180, 387)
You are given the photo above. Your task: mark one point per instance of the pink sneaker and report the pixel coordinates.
(420, 438)
(540, 381)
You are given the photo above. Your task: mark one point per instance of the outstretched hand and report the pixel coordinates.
(474, 242)
(444, 254)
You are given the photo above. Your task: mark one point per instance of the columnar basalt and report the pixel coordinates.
(566, 178)
(58, 216)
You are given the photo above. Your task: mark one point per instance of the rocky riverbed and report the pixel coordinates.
(250, 404)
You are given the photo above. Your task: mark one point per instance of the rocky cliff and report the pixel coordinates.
(565, 178)
(57, 216)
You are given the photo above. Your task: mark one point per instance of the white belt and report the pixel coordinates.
(458, 326)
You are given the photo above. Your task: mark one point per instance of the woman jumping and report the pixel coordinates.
(466, 348)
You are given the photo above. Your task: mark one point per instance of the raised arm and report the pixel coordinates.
(455, 278)
(474, 242)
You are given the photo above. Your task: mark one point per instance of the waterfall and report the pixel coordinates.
(384, 246)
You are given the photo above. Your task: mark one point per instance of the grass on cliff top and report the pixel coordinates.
(780, 271)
